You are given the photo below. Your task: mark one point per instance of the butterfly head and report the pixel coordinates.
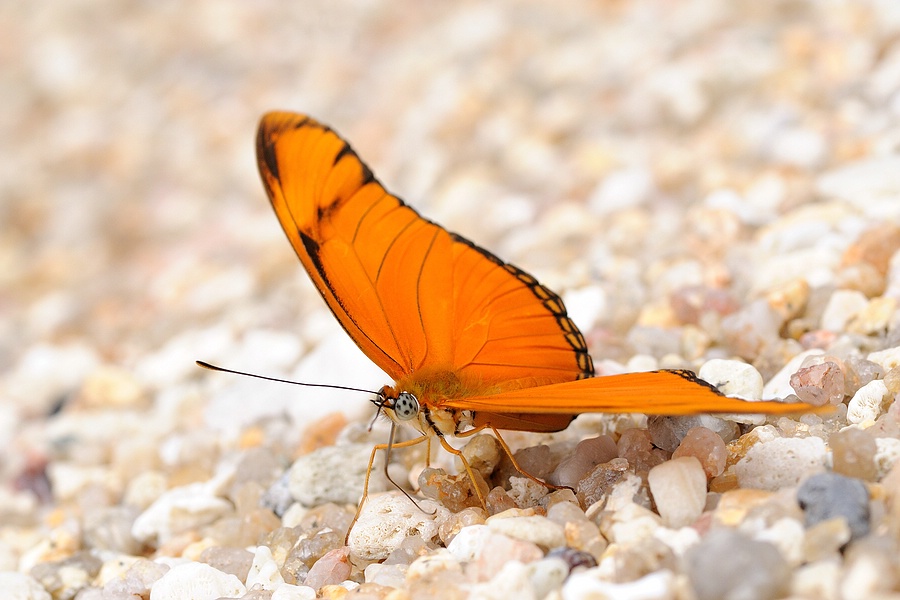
(400, 406)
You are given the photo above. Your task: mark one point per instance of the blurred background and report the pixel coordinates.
(618, 150)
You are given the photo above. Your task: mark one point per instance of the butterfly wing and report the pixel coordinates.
(417, 299)
(673, 392)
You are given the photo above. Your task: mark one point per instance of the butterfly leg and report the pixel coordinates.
(469, 472)
(516, 465)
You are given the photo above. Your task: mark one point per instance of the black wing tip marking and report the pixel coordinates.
(551, 301)
(688, 375)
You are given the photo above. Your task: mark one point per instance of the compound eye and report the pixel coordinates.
(406, 406)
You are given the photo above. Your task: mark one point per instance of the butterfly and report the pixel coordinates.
(470, 341)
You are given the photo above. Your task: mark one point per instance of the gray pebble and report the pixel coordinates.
(727, 565)
(828, 495)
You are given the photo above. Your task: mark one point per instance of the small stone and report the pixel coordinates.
(590, 585)
(825, 539)
(819, 384)
(747, 332)
(294, 592)
(450, 524)
(547, 575)
(537, 461)
(498, 551)
(599, 482)
(733, 378)
(679, 490)
(828, 495)
(868, 403)
(334, 474)
(137, 580)
(781, 462)
(629, 524)
(180, 509)
(386, 520)
(817, 579)
(454, 492)
(636, 446)
(587, 454)
(853, 453)
(789, 300)
(888, 358)
(535, 529)
(667, 433)
(109, 528)
(875, 317)
(112, 387)
(499, 500)
(393, 575)
(727, 564)
(525, 492)
(870, 568)
(469, 542)
(235, 561)
(442, 561)
(19, 586)
(892, 380)
(264, 571)
(483, 453)
(779, 386)
(196, 580)
(574, 558)
(331, 569)
(707, 447)
(64, 578)
(843, 306)
(734, 505)
(887, 454)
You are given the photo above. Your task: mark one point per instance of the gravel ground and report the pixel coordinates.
(709, 185)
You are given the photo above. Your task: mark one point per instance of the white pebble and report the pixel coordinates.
(393, 575)
(887, 453)
(679, 490)
(798, 147)
(468, 542)
(780, 463)
(19, 586)
(622, 189)
(887, 358)
(428, 565)
(842, 306)
(388, 519)
(535, 529)
(178, 510)
(587, 585)
(679, 540)
(197, 581)
(547, 575)
(865, 184)
(631, 524)
(819, 579)
(868, 402)
(334, 474)
(733, 378)
(287, 591)
(264, 571)
(787, 535)
(511, 581)
(586, 305)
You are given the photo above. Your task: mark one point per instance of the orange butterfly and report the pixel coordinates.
(471, 341)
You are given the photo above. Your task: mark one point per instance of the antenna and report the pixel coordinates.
(206, 365)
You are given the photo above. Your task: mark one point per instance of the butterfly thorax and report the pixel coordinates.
(431, 389)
